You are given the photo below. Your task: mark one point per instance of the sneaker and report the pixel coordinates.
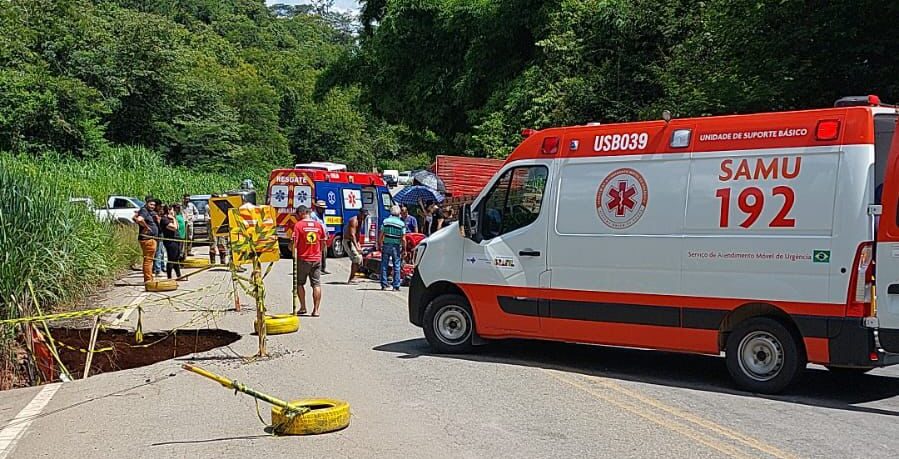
(396, 289)
(383, 288)
(326, 272)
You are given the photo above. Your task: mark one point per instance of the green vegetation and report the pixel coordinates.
(475, 72)
(214, 85)
(61, 246)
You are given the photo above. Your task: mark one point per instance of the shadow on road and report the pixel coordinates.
(818, 387)
(209, 440)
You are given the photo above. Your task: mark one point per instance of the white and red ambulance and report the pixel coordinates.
(751, 235)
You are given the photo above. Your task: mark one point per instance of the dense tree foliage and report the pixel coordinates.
(216, 84)
(226, 83)
(477, 71)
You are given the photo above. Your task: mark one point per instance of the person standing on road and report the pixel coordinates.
(409, 220)
(309, 239)
(147, 232)
(217, 244)
(424, 218)
(392, 245)
(171, 240)
(438, 218)
(352, 242)
(319, 216)
(159, 261)
(191, 214)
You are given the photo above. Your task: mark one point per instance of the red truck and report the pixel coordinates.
(464, 177)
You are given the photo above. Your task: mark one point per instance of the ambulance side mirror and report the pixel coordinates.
(467, 224)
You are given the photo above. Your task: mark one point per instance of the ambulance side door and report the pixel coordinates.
(331, 194)
(887, 254)
(505, 261)
(351, 198)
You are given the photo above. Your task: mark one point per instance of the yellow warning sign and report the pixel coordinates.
(218, 214)
(252, 230)
(333, 220)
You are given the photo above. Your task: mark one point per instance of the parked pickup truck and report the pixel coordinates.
(119, 209)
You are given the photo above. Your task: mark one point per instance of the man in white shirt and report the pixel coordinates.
(190, 213)
(319, 215)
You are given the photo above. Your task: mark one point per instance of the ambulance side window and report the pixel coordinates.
(514, 202)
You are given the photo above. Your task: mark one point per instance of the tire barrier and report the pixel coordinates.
(300, 417)
(166, 285)
(195, 262)
(279, 324)
(324, 415)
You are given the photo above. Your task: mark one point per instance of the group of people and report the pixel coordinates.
(310, 241)
(431, 218)
(164, 234)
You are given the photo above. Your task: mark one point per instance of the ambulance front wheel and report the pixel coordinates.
(449, 324)
(764, 356)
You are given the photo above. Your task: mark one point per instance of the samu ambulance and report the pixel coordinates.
(344, 193)
(751, 235)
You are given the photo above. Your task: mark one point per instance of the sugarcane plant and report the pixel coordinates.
(252, 241)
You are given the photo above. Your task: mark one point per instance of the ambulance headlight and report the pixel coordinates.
(680, 138)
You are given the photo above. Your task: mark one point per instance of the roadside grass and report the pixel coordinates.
(62, 247)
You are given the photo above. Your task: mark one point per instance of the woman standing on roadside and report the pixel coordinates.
(182, 231)
(170, 234)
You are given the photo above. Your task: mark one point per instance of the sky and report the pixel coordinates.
(340, 4)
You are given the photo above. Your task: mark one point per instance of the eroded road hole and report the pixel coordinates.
(120, 351)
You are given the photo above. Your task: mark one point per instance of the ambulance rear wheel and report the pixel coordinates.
(449, 324)
(337, 248)
(764, 356)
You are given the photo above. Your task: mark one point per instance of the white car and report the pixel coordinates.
(119, 209)
(405, 178)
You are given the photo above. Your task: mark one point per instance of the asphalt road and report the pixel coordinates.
(510, 399)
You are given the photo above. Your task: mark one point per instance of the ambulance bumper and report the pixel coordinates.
(856, 345)
(416, 298)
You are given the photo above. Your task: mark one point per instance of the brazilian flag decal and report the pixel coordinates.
(821, 256)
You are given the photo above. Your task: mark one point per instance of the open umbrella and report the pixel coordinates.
(429, 179)
(411, 195)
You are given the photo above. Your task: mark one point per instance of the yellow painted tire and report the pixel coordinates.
(166, 285)
(327, 415)
(196, 262)
(279, 324)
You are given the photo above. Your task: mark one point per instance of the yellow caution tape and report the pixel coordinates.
(78, 349)
(63, 315)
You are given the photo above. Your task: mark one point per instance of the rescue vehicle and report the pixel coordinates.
(344, 193)
(754, 236)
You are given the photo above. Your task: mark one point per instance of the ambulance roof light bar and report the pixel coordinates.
(858, 101)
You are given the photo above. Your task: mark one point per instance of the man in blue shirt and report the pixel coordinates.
(392, 244)
(147, 232)
(410, 221)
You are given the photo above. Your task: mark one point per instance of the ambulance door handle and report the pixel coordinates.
(893, 289)
(529, 253)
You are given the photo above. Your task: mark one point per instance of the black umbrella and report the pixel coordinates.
(429, 179)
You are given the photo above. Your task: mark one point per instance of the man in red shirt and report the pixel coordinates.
(309, 241)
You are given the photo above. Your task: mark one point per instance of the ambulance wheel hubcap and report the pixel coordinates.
(452, 324)
(761, 356)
